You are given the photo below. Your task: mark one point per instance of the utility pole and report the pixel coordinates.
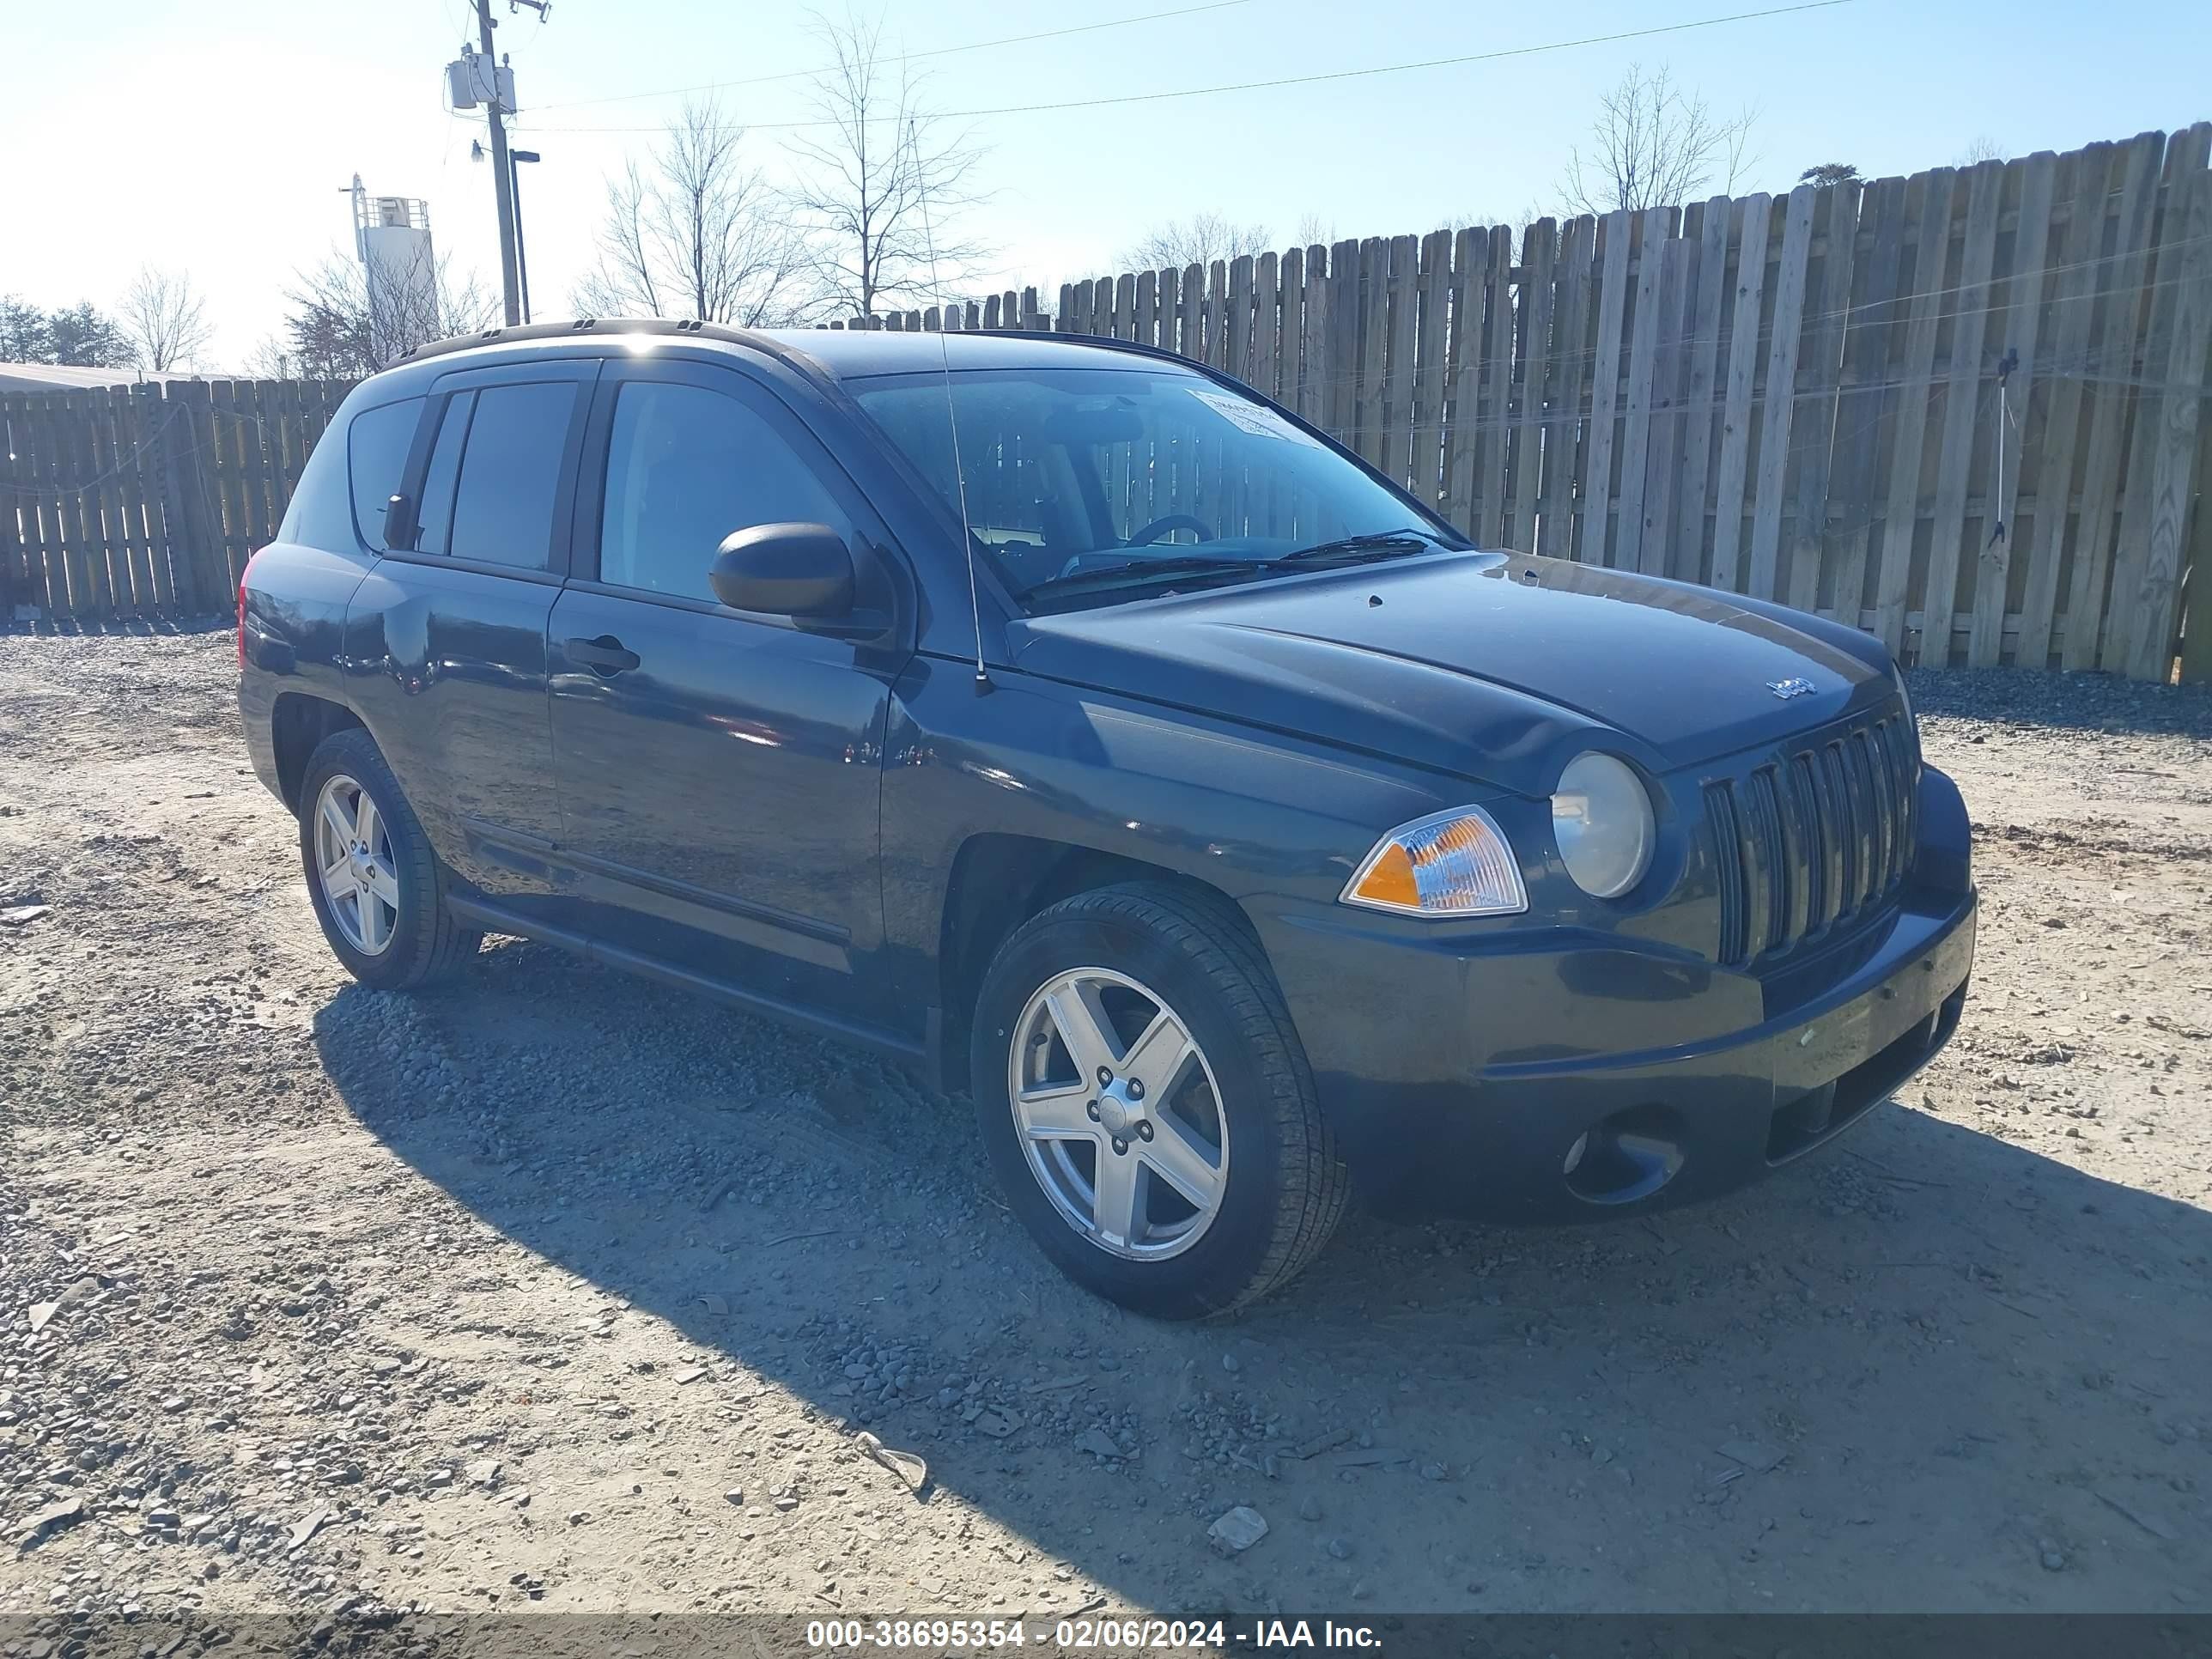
(501, 173)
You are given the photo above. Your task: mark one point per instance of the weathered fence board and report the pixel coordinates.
(1738, 402)
(2123, 273)
(1663, 463)
(1616, 232)
(1685, 557)
(1567, 381)
(1900, 521)
(1531, 361)
(1470, 255)
(1993, 585)
(1642, 378)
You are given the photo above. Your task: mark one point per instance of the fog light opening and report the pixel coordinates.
(1625, 1157)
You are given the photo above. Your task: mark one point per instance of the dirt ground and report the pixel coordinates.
(556, 1290)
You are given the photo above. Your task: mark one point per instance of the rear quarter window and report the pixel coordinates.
(321, 510)
(377, 442)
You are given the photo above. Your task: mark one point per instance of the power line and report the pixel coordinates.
(903, 57)
(1303, 79)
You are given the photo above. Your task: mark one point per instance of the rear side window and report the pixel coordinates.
(508, 473)
(321, 510)
(377, 442)
(444, 472)
(685, 468)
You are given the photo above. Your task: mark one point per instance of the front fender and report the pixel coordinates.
(1265, 820)
(1944, 858)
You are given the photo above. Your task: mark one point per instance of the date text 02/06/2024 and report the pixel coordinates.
(1079, 1635)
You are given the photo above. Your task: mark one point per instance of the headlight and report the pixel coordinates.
(1904, 695)
(1450, 864)
(1602, 817)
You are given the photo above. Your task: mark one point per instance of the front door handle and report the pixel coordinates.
(603, 656)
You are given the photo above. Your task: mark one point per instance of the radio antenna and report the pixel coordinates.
(952, 419)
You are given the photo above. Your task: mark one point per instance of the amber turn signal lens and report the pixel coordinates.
(1391, 881)
(1451, 864)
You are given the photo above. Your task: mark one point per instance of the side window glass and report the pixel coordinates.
(376, 442)
(687, 466)
(510, 474)
(321, 512)
(444, 472)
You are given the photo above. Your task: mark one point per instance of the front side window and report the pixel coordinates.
(507, 448)
(376, 442)
(1081, 482)
(686, 467)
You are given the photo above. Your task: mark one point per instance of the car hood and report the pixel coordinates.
(1498, 667)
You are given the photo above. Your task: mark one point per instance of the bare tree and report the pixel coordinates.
(627, 279)
(343, 326)
(1828, 174)
(1198, 240)
(886, 184)
(275, 359)
(165, 319)
(1979, 149)
(697, 232)
(1653, 145)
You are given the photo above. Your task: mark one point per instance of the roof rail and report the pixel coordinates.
(584, 324)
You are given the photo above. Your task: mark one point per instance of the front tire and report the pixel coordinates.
(378, 890)
(1147, 1104)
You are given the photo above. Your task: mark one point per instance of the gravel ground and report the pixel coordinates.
(556, 1292)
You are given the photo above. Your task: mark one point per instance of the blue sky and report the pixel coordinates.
(217, 138)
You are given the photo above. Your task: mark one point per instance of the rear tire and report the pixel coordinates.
(1229, 1184)
(378, 890)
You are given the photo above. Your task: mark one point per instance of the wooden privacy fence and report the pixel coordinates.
(1963, 410)
(146, 501)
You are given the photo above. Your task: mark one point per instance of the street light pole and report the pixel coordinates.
(515, 158)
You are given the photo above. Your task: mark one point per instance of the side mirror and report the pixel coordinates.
(399, 526)
(798, 570)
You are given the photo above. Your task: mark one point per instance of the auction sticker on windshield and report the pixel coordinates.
(1254, 418)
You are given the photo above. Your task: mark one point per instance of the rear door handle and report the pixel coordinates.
(604, 655)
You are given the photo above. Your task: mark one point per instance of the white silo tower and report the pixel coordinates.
(392, 238)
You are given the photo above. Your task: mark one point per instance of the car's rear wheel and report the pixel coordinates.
(378, 890)
(1146, 1105)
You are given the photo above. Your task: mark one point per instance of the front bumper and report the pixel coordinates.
(1529, 1082)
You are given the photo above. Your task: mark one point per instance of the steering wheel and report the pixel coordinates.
(1160, 527)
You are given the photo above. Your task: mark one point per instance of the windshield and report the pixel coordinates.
(1088, 484)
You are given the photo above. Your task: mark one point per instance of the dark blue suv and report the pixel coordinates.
(1065, 718)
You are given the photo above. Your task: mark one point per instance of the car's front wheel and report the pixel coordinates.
(1147, 1106)
(378, 890)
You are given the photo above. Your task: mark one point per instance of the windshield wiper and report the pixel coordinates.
(1108, 576)
(1378, 543)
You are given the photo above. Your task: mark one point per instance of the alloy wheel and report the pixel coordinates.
(1118, 1114)
(354, 863)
